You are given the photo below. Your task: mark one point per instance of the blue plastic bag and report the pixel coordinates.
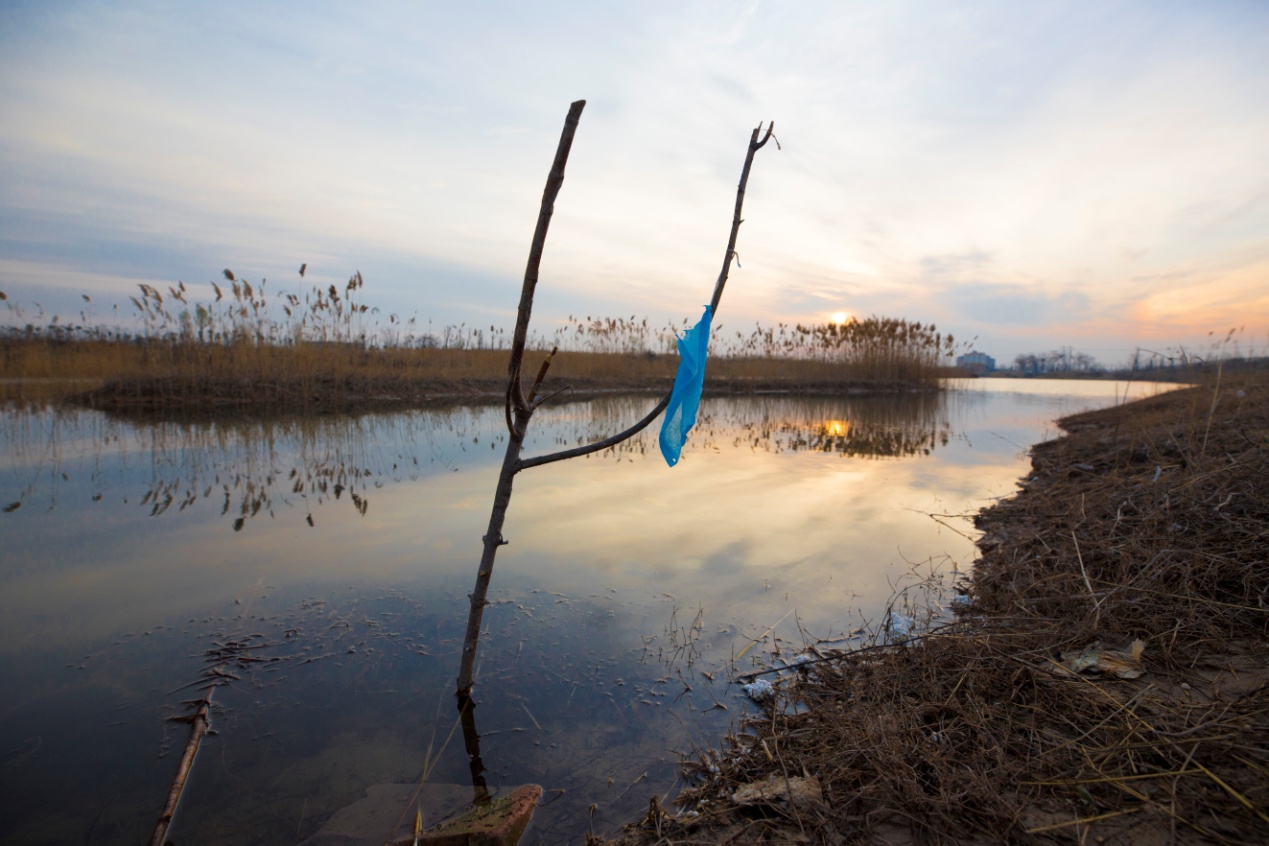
(685, 399)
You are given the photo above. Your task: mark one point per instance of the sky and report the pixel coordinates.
(1026, 176)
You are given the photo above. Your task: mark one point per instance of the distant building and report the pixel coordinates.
(979, 364)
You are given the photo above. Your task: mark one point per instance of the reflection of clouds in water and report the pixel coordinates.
(342, 695)
(758, 503)
(245, 467)
(252, 468)
(730, 533)
(619, 572)
(723, 561)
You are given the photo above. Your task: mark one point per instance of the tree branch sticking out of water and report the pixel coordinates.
(520, 408)
(200, 722)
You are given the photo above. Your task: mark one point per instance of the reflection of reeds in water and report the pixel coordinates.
(874, 426)
(248, 467)
(888, 426)
(243, 464)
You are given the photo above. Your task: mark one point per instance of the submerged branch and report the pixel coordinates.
(199, 723)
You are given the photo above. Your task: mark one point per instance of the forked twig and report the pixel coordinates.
(519, 408)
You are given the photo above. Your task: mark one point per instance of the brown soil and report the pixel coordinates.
(1140, 543)
(208, 398)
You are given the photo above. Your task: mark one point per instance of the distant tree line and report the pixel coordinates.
(1065, 360)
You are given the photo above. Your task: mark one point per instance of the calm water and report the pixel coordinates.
(341, 550)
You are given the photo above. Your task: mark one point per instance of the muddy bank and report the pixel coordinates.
(1106, 678)
(168, 398)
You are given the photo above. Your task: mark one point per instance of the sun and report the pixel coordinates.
(839, 317)
(836, 428)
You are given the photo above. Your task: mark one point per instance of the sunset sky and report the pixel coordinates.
(1036, 174)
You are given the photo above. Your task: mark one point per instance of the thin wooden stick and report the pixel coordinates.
(429, 764)
(539, 460)
(1097, 605)
(1232, 792)
(759, 638)
(518, 408)
(754, 146)
(1083, 821)
(554, 181)
(537, 383)
(199, 723)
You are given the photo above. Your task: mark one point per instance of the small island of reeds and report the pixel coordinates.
(251, 350)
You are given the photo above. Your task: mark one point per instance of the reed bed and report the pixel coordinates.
(326, 349)
(1138, 544)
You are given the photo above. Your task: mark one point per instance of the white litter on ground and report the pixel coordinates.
(899, 627)
(759, 691)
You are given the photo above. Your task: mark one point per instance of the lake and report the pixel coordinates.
(320, 567)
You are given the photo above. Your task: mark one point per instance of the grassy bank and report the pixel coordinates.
(252, 350)
(1106, 680)
(199, 379)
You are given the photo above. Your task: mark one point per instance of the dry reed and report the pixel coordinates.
(252, 349)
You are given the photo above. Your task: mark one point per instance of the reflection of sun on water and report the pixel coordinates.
(836, 428)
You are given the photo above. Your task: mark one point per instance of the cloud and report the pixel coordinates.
(988, 165)
(1206, 302)
(1011, 308)
(946, 268)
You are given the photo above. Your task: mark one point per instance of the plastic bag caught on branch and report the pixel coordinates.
(685, 399)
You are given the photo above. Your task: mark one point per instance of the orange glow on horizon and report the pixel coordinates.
(836, 428)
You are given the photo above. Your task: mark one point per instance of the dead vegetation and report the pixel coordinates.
(1106, 680)
(258, 349)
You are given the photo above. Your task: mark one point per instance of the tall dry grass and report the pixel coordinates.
(250, 346)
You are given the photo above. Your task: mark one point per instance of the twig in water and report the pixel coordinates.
(199, 723)
(759, 638)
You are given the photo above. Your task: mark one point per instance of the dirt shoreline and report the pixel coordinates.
(1106, 679)
(256, 398)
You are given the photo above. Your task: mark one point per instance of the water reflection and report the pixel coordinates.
(619, 607)
(887, 426)
(249, 467)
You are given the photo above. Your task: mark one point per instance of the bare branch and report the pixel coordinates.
(553, 183)
(506, 408)
(754, 146)
(199, 722)
(518, 408)
(598, 445)
(537, 383)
